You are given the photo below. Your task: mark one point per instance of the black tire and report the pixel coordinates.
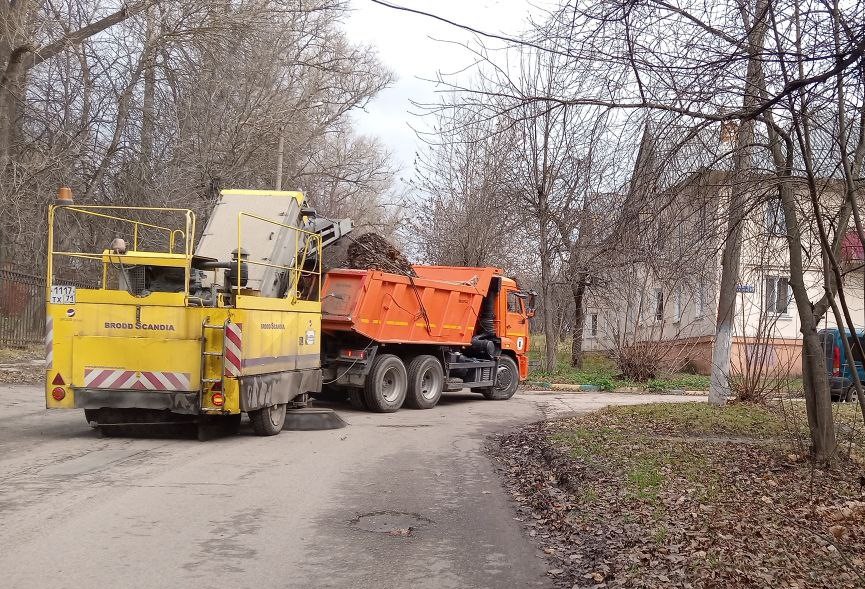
(356, 399)
(269, 420)
(386, 384)
(850, 394)
(507, 381)
(426, 379)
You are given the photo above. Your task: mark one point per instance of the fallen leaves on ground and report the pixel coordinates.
(613, 502)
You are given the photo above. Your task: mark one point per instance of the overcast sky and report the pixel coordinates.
(406, 44)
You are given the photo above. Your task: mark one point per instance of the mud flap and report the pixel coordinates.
(265, 390)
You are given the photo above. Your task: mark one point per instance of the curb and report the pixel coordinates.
(546, 387)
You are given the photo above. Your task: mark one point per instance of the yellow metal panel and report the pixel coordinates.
(269, 341)
(146, 259)
(121, 297)
(135, 353)
(231, 390)
(63, 327)
(271, 304)
(139, 321)
(309, 340)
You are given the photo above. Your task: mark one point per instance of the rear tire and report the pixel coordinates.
(507, 381)
(425, 382)
(269, 420)
(386, 384)
(849, 395)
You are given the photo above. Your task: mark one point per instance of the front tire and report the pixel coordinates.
(386, 384)
(425, 382)
(507, 381)
(269, 420)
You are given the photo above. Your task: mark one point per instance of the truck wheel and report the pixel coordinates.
(425, 382)
(850, 394)
(269, 420)
(507, 380)
(386, 384)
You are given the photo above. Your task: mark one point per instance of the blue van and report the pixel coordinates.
(840, 381)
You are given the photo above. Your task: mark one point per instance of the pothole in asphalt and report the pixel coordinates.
(392, 523)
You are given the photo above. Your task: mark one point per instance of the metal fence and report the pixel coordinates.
(22, 309)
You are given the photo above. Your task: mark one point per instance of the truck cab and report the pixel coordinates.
(515, 307)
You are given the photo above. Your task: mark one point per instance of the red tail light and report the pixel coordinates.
(353, 354)
(218, 399)
(58, 393)
(836, 361)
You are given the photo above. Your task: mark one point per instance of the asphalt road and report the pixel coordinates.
(302, 509)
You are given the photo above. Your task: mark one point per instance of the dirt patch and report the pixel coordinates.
(21, 366)
(613, 503)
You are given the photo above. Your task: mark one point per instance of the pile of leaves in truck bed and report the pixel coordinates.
(628, 497)
(371, 251)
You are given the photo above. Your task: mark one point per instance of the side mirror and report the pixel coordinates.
(530, 303)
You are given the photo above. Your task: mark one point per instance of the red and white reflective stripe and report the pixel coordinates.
(49, 341)
(115, 378)
(233, 346)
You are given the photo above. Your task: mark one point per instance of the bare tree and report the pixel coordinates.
(165, 102)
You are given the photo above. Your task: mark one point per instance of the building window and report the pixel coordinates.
(775, 224)
(659, 305)
(593, 324)
(677, 307)
(701, 304)
(514, 303)
(777, 294)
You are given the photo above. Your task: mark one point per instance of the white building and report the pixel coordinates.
(668, 297)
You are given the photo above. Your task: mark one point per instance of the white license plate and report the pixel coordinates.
(63, 295)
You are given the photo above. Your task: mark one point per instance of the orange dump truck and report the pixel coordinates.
(391, 339)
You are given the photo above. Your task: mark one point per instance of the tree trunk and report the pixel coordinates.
(148, 114)
(719, 382)
(578, 288)
(818, 402)
(546, 297)
(12, 89)
(546, 294)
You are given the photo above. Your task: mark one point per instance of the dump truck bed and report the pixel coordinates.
(439, 306)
